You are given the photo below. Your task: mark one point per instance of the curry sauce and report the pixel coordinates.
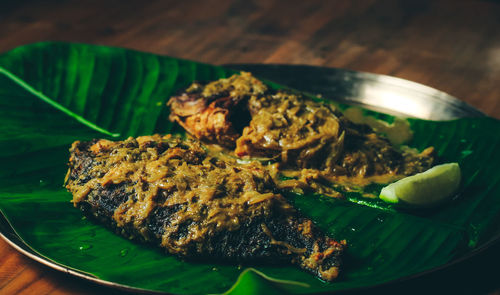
(310, 141)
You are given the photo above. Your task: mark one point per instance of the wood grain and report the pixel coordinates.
(453, 46)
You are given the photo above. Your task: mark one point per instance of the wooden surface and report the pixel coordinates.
(453, 46)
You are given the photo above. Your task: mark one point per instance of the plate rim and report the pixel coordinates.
(430, 92)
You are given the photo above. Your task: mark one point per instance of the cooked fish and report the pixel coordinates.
(214, 112)
(308, 137)
(175, 194)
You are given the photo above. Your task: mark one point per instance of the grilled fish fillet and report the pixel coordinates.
(173, 193)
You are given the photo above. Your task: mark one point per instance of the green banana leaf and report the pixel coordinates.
(54, 93)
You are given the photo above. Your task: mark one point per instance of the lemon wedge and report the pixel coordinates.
(424, 189)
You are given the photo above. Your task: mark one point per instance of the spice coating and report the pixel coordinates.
(172, 193)
(310, 140)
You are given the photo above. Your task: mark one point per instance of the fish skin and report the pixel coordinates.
(276, 234)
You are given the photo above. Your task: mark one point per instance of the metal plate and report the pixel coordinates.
(377, 92)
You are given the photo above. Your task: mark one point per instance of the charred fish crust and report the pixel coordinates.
(172, 193)
(314, 251)
(248, 243)
(182, 230)
(160, 217)
(288, 232)
(110, 198)
(102, 202)
(96, 215)
(80, 163)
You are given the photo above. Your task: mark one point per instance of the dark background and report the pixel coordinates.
(453, 46)
(450, 45)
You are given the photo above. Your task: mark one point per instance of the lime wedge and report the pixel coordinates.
(424, 189)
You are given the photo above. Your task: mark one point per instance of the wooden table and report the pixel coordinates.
(453, 46)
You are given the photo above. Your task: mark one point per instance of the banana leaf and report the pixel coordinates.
(52, 94)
